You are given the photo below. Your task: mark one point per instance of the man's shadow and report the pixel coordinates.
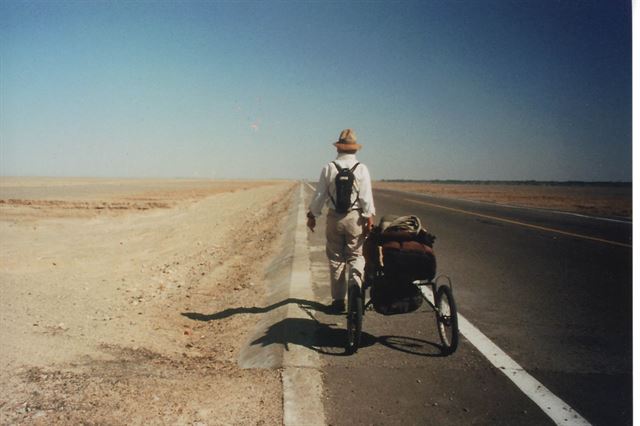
(318, 336)
(304, 304)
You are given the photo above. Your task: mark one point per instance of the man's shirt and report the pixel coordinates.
(361, 187)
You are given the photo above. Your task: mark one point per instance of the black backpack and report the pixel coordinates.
(344, 186)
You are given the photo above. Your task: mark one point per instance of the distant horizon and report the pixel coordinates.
(399, 180)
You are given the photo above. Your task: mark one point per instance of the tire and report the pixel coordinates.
(354, 319)
(447, 320)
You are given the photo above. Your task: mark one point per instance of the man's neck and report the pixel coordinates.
(345, 156)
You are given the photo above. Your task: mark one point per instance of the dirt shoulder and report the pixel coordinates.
(92, 309)
(594, 200)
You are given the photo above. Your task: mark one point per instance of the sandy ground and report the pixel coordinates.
(607, 201)
(95, 277)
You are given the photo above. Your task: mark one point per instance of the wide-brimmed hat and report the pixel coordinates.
(347, 141)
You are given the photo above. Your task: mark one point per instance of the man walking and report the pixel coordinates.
(345, 186)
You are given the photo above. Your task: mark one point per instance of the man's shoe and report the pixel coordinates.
(337, 307)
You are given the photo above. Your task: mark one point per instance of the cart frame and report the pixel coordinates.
(441, 303)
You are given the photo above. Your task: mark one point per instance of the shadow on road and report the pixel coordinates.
(328, 339)
(304, 304)
(312, 334)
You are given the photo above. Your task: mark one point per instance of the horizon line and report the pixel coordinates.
(391, 180)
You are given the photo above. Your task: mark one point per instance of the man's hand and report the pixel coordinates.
(311, 222)
(368, 225)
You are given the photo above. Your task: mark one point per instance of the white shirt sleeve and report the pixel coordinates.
(322, 193)
(366, 194)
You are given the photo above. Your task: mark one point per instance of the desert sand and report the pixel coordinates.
(95, 276)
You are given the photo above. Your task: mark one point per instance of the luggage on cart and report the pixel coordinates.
(408, 260)
(399, 273)
(402, 249)
(391, 298)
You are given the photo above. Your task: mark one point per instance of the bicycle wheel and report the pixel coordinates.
(447, 320)
(354, 319)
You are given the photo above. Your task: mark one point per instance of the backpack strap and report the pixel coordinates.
(353, 169)
(329, 192)
(337, 166)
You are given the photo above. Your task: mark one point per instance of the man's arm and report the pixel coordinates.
(366, 194)
(319, 198)
(366, 200)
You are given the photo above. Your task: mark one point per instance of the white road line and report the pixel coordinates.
(559, 411)
(301, 376)
(313, 188)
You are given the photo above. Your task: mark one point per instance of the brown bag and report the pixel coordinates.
(408, 260)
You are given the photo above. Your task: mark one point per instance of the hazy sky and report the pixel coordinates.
(470, 89)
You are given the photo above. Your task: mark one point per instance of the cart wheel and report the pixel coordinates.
(447, 319)
(354, 319)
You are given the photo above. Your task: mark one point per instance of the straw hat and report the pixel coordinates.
(347, 141)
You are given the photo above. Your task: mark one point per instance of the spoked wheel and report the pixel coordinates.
(354, 319)
(447, 318)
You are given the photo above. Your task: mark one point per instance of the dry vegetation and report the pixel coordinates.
(604, 200)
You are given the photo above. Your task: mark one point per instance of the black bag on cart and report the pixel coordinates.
(390, 298)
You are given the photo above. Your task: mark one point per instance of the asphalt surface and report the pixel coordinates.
(552, 290)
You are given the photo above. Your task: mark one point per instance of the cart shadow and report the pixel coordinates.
(324, 338)
(309, 333)
(413, 346)
(329, 339)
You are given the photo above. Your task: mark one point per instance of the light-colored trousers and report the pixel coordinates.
(345, 239)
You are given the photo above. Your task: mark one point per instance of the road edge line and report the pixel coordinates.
(302, 386)
(558, 411)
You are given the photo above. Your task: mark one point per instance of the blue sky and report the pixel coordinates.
(434, 89)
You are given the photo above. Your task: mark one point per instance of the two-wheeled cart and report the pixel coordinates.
(436, 292)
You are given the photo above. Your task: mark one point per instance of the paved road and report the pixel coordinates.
(552, 290)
